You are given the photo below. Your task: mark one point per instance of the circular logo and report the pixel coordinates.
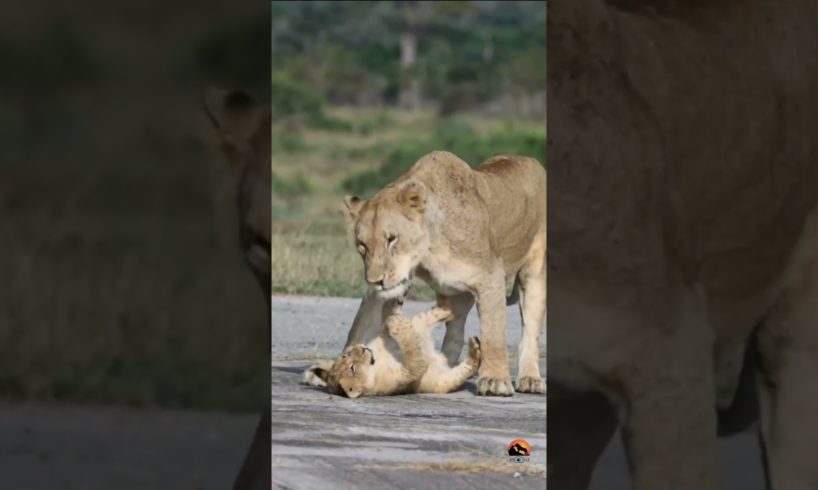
(519, 447)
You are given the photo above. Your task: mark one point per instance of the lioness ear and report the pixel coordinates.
(413, 199)
(317, 374)
(354, 205)
(234, 114)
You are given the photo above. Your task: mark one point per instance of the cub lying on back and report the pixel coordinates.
(375, 369)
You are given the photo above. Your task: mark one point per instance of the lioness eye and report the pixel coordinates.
(390, 240)
(352, 368)
(361, 248)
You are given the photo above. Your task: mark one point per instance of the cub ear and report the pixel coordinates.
(317, 374)
(413, 199)
(354, 205)
(234, 114)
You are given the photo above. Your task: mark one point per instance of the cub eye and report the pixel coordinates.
(391, 240)
(352, 368)
(361, 248)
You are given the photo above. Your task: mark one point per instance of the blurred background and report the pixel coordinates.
(362, 90)
(131, 331)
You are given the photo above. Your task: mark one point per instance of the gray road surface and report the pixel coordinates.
(452, 441)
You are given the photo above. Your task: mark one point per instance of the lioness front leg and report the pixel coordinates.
(495, 378)
(666, 399)
(369, 319)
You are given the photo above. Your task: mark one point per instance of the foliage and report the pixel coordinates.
(452, 135)
(467, 52)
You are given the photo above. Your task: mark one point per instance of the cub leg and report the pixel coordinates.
(532, 309)
(453, 340)
(449, 380)
(425, 321)
(410, 343)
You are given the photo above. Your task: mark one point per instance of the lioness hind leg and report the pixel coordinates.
(453, 340)
(788, 365)
(532, 309)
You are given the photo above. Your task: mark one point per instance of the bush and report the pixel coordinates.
(288, 98)
(457, 137)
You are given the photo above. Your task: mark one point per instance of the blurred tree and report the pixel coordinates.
(456, 54)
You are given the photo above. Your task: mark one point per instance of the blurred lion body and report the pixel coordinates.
(243, 126)
(685, 230)
(466, 232)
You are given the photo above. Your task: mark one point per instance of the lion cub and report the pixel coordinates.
(377, 368)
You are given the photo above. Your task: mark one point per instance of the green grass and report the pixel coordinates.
(360, 151)
(322, 264)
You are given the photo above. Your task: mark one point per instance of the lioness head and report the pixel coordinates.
(349, 373)
(391, 234)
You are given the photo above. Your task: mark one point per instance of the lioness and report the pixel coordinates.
(376, 369)
(465, 232)
(243, 127)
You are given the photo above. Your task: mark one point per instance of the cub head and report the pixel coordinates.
(391, 234)
(348, 375)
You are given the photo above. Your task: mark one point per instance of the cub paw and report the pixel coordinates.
(474, 349)
(316, 375)
(530, 384)
(494, 387)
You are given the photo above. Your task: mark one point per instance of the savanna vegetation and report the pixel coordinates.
(361, 90)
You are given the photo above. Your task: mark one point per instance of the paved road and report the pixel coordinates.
(309, 327)
(452, 441)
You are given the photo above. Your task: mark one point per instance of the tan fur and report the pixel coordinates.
(466, 232)
(685, 162)
(243, 128)
(400, 360)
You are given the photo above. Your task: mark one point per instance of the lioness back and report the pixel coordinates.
(505, 197)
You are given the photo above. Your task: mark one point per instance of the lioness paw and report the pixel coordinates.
(530, 384)
(494, 387)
